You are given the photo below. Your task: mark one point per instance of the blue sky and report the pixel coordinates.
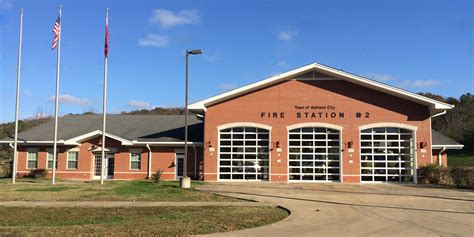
(422, 46)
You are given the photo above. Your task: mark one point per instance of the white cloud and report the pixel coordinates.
(139, 104)
(287, 35)
(421, 83)
(70, 100)
(5, 5)
(167, 18)
(228, 86)
(381, 77)
(152, 40)
(282, 63)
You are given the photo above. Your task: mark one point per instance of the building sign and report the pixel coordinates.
(316, 112)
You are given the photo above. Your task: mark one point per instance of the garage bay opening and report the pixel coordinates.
(314, 154)
(244, 153)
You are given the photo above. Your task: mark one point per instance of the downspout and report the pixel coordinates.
(149, 160)
(440, 156)
(11, 145)
(438, 114)
(195, 161)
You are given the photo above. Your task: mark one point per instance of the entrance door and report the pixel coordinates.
(110, 165)
(179, 165)
(97, 165)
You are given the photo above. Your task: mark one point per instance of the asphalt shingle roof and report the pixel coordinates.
(156, 128)
(442, 140)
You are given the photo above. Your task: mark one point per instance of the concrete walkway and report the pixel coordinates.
(130, 204)
(358, 210)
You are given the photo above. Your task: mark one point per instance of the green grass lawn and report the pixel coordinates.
(137, 221)
(461, 160)
(136, 190)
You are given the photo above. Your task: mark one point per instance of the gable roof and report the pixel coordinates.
(128, 129)
(441, 141)
(434, 105)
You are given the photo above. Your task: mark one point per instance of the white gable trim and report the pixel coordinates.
(433, 104)
(79, 139)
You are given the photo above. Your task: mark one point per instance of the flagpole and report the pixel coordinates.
(17, 106)
(56, 109)
(105, 105)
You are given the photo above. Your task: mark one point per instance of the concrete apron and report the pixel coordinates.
(358, 210)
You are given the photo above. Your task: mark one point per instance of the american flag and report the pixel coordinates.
(56, 29)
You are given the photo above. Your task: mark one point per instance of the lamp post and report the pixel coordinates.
(185, 181)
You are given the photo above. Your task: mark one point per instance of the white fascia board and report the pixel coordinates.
(433, 104)
(386, 88)
(201, 105)
(448, 147)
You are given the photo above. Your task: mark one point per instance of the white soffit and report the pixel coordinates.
(431, 103)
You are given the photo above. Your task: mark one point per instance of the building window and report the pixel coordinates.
(49, 163)
(314, 154)
(72, 160)
(244, 153)
(386, 155)
(32, 160)
(135, 161)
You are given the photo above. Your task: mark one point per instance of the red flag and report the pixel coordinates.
(56, 29)
(106, 46)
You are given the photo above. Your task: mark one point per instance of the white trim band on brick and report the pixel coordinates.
(315, 124)
(389, 124)
(244, 124)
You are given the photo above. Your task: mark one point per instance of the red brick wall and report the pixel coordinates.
(346, 97)
(162, 158)
(444, 157)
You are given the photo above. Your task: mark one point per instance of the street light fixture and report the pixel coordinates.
(185, 180)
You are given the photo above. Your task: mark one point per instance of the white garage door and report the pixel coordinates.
(387, 155)
(314, 154)
(244, 153)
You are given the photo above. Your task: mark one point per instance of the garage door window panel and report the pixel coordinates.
(386, 154)
(243, 153)
(314, 154)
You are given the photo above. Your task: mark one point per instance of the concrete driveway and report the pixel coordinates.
(358, 210)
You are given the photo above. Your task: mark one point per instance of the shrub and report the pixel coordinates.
(463, 177)
(433, 174)
(460, 177)
(156, 177)
(37, 174)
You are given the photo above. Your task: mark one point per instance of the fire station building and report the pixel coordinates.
(311, 124)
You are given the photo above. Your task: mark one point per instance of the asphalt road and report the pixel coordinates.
(358, 210)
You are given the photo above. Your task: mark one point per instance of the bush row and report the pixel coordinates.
(460, 177)
(37, 174)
